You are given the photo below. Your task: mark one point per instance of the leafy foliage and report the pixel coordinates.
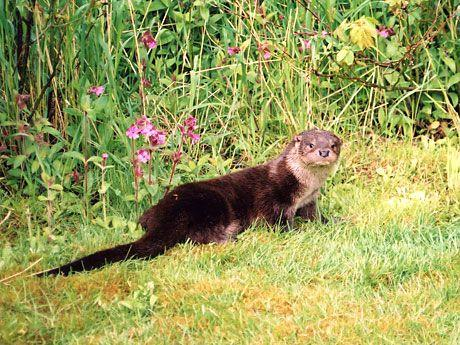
(77, 74)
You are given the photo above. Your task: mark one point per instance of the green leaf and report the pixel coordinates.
(46, 178)
(392, 78)
(393, 50)
(449, 62)
(42, 198)
(18, 160)
(204, 12)
(85, 102)
(35, 165)
(453, 98)
(455, 79)
(57, 187)
(157, 5)
(345, 56)
(104, 187)
(52, 131)
(74, 155)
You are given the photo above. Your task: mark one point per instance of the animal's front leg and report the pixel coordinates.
(287, 220)
(310, 212)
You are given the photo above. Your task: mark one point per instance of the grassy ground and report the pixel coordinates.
(386, 272)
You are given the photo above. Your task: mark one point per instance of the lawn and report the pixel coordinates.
(386, 271)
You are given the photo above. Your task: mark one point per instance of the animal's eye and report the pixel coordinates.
(311, 145)
(333, 146)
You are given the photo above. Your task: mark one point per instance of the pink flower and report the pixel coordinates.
(146, 82)
(21, 100)
(96, 90)
(195, 137)
(190, 122)
(148, 40)
(105, 156)
(157, 138)
(264, 49)
(143, 156)
(176, 156)
(323, 33)
(188, 128)
(306, 44)
(385, 32)
(132, 132)
(145, 126)
(233, 50)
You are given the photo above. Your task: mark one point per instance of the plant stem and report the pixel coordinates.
(85, 148)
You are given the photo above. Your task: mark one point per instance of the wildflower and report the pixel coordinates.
(188, 128)
(132, 132)
(146, 82)
(263, 48)
(195, 137)
(157, 138)
(21, 100)
(144, 126)
(143, 156)
(306, 44)
(105, 156)
(324, 33)
(385, 32)
(148, 40)
(96, 90)
(190, 122)
(233, 50)
(176, 156)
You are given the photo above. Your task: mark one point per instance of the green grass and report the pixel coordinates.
(386, 272)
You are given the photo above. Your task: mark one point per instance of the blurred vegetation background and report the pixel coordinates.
(252, 73)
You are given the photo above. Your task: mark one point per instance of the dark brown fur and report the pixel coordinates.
(217, 210)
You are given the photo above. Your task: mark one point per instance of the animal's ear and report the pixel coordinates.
(298, 138)
(338, 139)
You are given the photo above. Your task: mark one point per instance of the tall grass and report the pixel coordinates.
(247, 105)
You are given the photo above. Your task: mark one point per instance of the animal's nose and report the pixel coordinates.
(324, 153)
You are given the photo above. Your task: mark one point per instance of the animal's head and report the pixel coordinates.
(317, 147)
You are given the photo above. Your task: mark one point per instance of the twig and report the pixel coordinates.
(19, 273)
(6, 217)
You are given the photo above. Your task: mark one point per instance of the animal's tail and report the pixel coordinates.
(134, 250)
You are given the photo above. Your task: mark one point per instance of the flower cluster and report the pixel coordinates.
(187, 129)
(144, 127)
